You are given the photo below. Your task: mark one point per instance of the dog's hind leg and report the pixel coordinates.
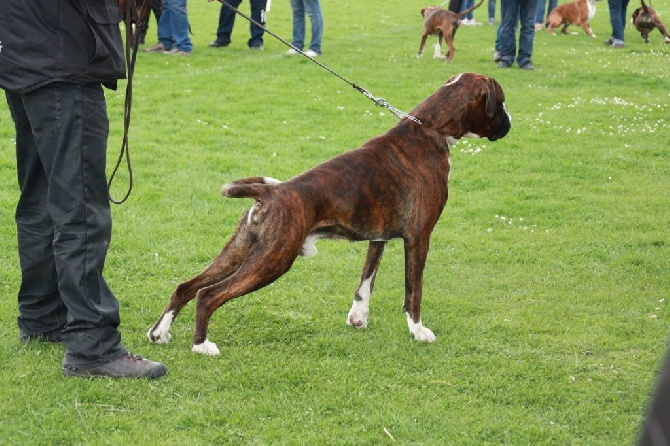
(226, 263)
(358, 315)
(260, 268)
(663, 31)
(437, 53)
(422, 44)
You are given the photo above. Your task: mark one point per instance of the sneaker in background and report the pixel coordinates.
(158, 48)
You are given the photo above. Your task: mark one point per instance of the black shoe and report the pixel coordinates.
(527, 66)
(504, 64)
(608, 42)
(218, 44)
(128, 366)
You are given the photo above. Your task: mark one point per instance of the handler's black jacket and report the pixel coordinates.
(74, 41)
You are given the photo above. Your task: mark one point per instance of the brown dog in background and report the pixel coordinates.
(442, 23)
(645, 20)
(579, 13)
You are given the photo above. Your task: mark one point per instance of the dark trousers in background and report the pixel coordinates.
(63, 220)
(227, 21)
(455, 6)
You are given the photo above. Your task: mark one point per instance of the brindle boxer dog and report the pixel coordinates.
(443, 24)
(645, 20)
(394, 186)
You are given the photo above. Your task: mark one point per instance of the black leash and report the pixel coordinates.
(132, 14)
(380, 102)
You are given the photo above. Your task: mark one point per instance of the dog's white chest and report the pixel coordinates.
(592, 11)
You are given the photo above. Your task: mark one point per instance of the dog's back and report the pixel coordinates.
(437, 20)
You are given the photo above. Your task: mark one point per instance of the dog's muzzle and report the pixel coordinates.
(504, 124)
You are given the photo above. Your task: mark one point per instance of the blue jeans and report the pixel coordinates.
(468, 4)
(492, 10)
(313, 9)
(539, 15)
(512, 12)
(227, 21)
(617, 18)
(173, 26)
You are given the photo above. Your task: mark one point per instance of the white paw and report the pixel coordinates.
(423, 334)
(158, 337)
(161, 334)
(419, 332)
(206, 348)
(357, 318)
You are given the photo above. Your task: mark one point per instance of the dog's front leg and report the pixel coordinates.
(416, 252)
(358, 315)
(587, 29)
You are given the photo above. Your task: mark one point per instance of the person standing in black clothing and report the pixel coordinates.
(455, 6)
(54, 92)
(157, 8)
(227, 21)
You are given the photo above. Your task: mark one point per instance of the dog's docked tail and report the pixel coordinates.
(644, 7)
(253, 187)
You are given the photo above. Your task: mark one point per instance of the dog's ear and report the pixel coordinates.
(489, 93)
(423, 12)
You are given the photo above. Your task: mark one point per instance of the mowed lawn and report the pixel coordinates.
(547, 282)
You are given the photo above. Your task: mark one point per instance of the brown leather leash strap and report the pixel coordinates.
(132, 16)
(380, 102)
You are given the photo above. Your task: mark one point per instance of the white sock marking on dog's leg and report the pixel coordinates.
(419, 332)
(358, 315)
(161, 335)
(206, 348)
(437, 54)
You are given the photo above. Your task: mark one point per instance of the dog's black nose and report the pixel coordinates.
(501, 131)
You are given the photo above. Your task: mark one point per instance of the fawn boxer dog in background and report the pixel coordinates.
(393, 187)
(442, 23)
(645, 20)
(579, 13)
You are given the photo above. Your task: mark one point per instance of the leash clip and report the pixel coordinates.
(381, 102)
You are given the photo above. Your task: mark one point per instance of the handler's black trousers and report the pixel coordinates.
(63, 220)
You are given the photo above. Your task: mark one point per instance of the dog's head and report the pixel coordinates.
(468, 104)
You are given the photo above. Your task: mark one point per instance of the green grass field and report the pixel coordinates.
(547, 283)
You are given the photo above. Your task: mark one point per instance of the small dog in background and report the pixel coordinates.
(442, 23)
(645, 20)
(578, 13)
